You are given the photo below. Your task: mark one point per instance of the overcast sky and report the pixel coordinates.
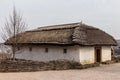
(104, 14)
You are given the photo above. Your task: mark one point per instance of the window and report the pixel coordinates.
(30, 48)
(46, 50)
(18, 48)
(64, 51)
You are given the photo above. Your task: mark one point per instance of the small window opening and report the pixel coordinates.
(64, 51)
(18, 48)
(30, 48)
(46, 50)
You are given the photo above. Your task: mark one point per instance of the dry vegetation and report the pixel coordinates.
(20, 65)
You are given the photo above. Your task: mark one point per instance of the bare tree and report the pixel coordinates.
(13, 26)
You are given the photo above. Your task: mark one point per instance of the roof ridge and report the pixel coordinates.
(56, 27)
(60, 25)
(63, 26)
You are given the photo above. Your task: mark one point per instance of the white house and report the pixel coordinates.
(75, 41)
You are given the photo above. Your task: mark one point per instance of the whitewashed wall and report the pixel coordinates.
(84, 55)
(54, 53)
(106, 53)
(87, 55)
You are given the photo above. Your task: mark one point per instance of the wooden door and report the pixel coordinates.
(98, 54)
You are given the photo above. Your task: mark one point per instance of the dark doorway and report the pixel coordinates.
(98, 54)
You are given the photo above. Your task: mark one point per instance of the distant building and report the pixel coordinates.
(117, 48)
(76, 41)
(5, 51)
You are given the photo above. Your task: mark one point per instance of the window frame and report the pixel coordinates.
(30, 49)
(64, 51)
(46, 50)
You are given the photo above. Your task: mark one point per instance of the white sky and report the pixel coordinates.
(104, 14)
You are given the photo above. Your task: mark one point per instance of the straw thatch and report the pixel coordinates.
(66, 34)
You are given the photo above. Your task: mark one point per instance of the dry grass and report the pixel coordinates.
(20, 65)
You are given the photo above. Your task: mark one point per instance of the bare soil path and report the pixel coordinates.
(104, 72)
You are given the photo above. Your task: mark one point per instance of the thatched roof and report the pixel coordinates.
(66, 34)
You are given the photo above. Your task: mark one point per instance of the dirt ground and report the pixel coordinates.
(104, 72)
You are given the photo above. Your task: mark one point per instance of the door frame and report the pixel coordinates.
(95, 54)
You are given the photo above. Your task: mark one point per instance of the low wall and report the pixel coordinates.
(28, 65)
(5, 56)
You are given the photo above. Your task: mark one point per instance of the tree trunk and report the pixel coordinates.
(13, 52)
